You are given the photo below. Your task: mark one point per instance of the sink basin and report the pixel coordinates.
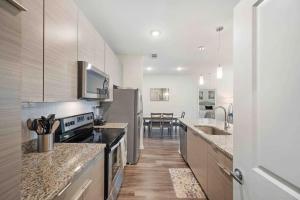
(212, 130)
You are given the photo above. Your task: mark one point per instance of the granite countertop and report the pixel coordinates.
(44, 175)
(113, 125)
(223, 142)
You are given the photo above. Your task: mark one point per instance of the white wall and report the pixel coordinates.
(132, 71)
(183, 94)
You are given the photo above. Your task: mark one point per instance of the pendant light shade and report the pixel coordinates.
(219, 69)
(219, 72)
(201, 80)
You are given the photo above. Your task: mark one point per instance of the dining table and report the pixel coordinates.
(148, 117)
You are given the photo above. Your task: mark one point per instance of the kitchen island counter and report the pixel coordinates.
(223, 142)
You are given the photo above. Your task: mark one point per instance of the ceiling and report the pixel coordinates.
(126, 25)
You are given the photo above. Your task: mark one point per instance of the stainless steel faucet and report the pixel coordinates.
(226, 124)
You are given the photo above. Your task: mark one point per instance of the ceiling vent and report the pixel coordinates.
(154, 55)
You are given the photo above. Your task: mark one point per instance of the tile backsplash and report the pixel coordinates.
(60, 109)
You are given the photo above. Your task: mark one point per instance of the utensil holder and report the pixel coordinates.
(45, 142)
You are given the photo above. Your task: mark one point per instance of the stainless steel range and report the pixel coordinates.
(79, 129)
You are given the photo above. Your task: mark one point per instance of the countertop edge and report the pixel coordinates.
(70, 178)
(203, 135)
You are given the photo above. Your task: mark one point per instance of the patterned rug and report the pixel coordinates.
(185, 184)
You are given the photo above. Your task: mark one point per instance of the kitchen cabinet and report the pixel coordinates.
(109, 69)
(10, 81)
(90, 43)
(210, 167)
(219, 181)
(32, 51)
(86, 43)
(113, 68)
(197, 157)
(88, 184)
(60, 51)
(99, 51)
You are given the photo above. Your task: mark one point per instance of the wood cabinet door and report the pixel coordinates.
(60, 51)
(32, 51)
(201, 162)
(90, 43)
(86, 42)
(99, 51)
(109, 69)
(96, 190)
(10, 80)
(215, 189)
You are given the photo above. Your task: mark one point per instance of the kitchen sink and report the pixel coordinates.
(211, 130)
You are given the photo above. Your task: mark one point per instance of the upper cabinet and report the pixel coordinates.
(99, 53)
(113, 66)
(90, 43)
(55, 35)
(60, 51)
(32, 51)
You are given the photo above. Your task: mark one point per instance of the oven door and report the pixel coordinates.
(115, 171)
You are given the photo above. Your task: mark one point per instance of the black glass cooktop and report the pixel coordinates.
(89, 135)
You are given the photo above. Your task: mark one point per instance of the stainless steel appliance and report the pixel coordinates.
(92, 83)
(79, 129)
(127, 108)
(183, 140)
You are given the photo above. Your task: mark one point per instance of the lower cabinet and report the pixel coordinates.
(87, 185)
(210, 167)
(197, 157)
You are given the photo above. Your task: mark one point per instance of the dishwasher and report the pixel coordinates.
(183, 140)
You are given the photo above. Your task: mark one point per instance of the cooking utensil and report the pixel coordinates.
(29, 124)
(54, 126)
(40, 127)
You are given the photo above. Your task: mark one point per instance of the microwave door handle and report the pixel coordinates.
(104, 82)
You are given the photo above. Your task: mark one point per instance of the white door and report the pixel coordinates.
(267, 99)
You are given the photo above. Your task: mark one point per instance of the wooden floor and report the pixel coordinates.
(150, 178)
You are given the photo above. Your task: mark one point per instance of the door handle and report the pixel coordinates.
(17, 5)
(237, 175)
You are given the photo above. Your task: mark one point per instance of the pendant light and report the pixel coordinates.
(219, 69)
(201, 80)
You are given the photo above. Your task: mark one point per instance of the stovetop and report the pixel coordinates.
(80, 129)
(107, 136)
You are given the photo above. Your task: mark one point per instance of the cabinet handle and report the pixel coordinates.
(64, 189)
(225, 171)
(84, 187)
(17, 5)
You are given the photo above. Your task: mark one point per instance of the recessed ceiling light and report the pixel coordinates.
(179, 68)
(201, 48)
(155, 33)
(149, 68)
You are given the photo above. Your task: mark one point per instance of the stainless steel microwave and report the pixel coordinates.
(92, 82)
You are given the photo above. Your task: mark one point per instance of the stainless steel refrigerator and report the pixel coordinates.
(127, 108)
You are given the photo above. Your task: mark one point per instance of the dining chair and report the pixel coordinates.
(177, 123)
(155, 121)
(182, 115)
(146, 123)
(167, 122)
